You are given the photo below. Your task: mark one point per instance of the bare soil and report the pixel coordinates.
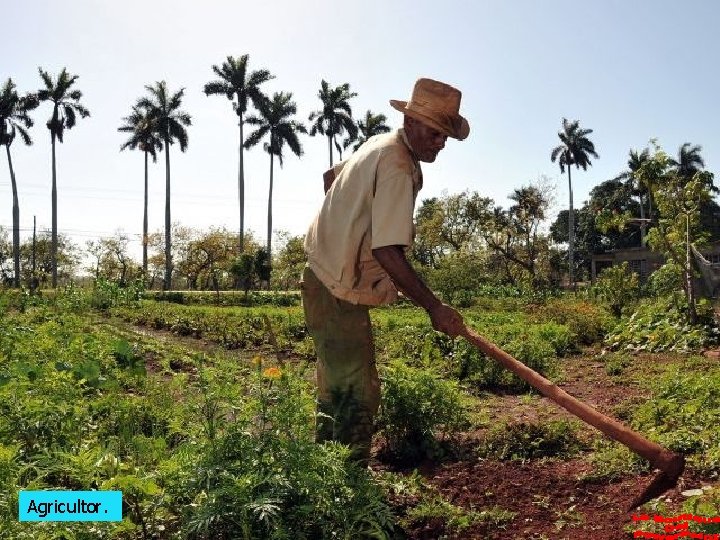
(549, 497)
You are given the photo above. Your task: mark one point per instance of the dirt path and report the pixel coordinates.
(549, 498)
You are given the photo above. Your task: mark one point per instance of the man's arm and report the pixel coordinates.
(443, 317)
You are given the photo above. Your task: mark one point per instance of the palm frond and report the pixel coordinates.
(256, 136)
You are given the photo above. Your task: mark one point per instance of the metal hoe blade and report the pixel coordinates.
(666, 479)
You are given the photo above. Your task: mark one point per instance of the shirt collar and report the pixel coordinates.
(418, 169)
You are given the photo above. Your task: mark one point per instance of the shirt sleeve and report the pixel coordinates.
(393, 203)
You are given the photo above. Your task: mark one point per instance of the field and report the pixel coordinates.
(203, 416)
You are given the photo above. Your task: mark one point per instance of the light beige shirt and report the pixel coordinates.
(370, 205)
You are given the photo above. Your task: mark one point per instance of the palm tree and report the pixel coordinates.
(66, 107)
(169, 124)
(689, 161)
(14, 120)
(335, 118)
(234, 82)
(276, 121)
(371, 125)
(641, 191)
(575, 149)
(144, 137)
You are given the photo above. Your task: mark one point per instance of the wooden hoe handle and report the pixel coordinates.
(659, 457)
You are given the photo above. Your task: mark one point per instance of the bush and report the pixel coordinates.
(267, 479)
(658, 326)
(527, 347)
(530, 441)
(419, 412)
(617, 287)
(684, 415)
(226, 298)
(107, 293)
(588, 322)
(611, 461)
(615, 364)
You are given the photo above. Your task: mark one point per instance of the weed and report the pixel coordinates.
(455, 518)
(419, 410)
(615, 364)
(611, 461)
(530, 441)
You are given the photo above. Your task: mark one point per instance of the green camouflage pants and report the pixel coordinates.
(347, 379)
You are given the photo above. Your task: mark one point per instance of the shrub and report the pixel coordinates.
(617, 287)
(611, 461)
(684, 415)
(419, 411)
(588, 322)
(615, 364)
(108, 293)
(657, 326)
(484, 372)
(265, 478)
(530, 441)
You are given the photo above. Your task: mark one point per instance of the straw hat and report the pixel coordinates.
(437, 105)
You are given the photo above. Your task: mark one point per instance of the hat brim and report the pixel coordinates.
(460, 130)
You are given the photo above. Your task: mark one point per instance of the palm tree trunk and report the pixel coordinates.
(16, 221)
(168, 254)
(241, 190)
(571, 235)
(54, 242)
(330, 147)
(145, 222)
(269, 219)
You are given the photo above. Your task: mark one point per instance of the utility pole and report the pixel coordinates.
(692, 313)
(33, 280)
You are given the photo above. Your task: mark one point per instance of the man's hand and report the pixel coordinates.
(446, 319)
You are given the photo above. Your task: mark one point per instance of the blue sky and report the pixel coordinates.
(629, 70)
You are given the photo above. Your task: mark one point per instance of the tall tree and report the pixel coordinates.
(143, 137)
(66, 106)
(689, 161)
(575, 149)
(371, 125)
(276, 122)
(236, 84)
(14, 120)
(169, 122)
(335, 118)
(639, 190)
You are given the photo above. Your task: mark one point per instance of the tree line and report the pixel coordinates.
(156, 122)
(620, 213)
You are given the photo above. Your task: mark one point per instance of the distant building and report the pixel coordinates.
(644, 261)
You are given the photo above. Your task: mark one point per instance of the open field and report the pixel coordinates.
(203, 417)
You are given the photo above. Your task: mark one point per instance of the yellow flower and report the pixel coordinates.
(272, 373)
(256, 361)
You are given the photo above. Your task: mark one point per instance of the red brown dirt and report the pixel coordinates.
(549, 498)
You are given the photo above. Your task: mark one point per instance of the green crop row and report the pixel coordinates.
(213, 449)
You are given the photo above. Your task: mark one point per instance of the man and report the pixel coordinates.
(356, 259)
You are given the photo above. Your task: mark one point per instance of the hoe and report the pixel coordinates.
(670, 464)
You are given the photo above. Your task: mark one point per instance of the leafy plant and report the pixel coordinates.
(618, 287)
(530, 441)
(419, 411)
(659, 326)
(684, 416)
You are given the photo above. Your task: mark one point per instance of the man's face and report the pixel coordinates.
(426, 141)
